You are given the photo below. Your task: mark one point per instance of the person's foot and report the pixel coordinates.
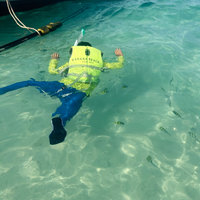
(59, 133)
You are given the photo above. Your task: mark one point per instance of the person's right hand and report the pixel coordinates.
(55, 56)
(118, 52)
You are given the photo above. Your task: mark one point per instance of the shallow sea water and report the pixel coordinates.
(152, 152)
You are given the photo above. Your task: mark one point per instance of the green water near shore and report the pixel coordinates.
(153, 153)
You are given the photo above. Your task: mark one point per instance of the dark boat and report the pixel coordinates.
(23, 5)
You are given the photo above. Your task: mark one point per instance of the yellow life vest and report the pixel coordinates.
(85, 64)
(86, 55)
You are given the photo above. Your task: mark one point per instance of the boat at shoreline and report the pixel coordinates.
(24, 5)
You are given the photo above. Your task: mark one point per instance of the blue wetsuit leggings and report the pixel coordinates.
(70, 98)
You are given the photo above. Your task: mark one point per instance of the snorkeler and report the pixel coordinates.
(80, 77)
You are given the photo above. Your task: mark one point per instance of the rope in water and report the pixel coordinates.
(43, 30)
(17, 20)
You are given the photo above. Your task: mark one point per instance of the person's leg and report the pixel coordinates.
(53, 88)
(71, 102)
(15, 86)
(70, 105)
(50, 87)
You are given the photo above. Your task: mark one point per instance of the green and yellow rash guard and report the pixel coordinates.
(83, 69)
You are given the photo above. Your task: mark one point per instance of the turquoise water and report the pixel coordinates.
(153, 153)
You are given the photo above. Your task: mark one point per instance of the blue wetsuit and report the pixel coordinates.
(70, 98)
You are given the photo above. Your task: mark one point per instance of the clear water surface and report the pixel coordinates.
(139, 140)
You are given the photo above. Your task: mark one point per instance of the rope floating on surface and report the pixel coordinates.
(17, 20)
(42, 31)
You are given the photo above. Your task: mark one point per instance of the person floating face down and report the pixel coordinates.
(80, 77)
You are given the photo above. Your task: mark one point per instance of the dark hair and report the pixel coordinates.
(84, 44)
(81, 44)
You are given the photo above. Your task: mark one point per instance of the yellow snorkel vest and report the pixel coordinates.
(85, 64)
(84, 68)
(86, 55)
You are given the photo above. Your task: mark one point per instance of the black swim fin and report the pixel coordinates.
(59, 133)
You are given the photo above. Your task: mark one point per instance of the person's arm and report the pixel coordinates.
(120, 59)
(53, 64)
